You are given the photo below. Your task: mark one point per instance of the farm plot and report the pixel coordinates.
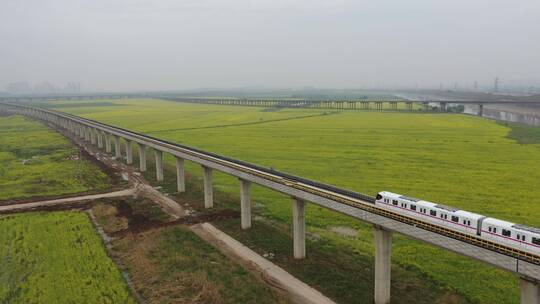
(36, 161)
(56, 258)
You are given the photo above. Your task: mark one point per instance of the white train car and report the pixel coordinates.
(437, 214)
(502, 232)
(513, 235)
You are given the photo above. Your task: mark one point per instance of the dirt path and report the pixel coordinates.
(242, 124)
(275, 276)
(69, 202)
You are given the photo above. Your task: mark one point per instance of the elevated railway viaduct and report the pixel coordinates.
(302, 191)
(382, 103)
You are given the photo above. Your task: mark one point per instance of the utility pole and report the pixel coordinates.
(496, 85)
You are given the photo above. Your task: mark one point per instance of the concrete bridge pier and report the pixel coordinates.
(99, 139)
(481, 109)
(107, 142)
(180, 175)
(117, 152)
(93, 136)
(159, 165)
(81, 131)
(442, 106)
(530, 292)
(87, 134)
(129, 152)
(383, 253)
(208, 190)
(299, 228)
(142, 158)
(245, 203)
(409, 106)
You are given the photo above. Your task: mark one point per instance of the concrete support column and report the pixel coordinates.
(142, 158)
(208, 191)
(107, 142)
(81, 132)
(443, 106)
(93, 136)
(299, 228)
(129, 152)
(480, 110)
(159, 165)
(87, 133)
(530, 293)
(117, 152)
(245, 203)
(383, 254)
(180, 175)
(100, 140)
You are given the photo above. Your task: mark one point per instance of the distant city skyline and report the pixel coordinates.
(44, 87)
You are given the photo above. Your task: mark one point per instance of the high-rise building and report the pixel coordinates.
(46, 88)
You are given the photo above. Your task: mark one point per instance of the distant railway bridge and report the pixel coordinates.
(378, 104)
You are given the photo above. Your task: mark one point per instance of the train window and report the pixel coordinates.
(506, 232)
(523, 238)
(413, 207)
(489, 229)
(378, 196)
(494, 230)
(394, 202)
(433, 212)
(469, 223)
(518, 237)
(536, 241)
(455, 219)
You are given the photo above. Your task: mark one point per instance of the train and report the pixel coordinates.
(512, 235)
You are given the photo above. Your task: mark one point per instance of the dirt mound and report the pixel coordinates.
(139, 222)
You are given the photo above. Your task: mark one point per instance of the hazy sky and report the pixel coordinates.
(175, 44)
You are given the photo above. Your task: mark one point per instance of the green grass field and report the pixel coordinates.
(36, 161)
(56, 258)
(459, 160)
